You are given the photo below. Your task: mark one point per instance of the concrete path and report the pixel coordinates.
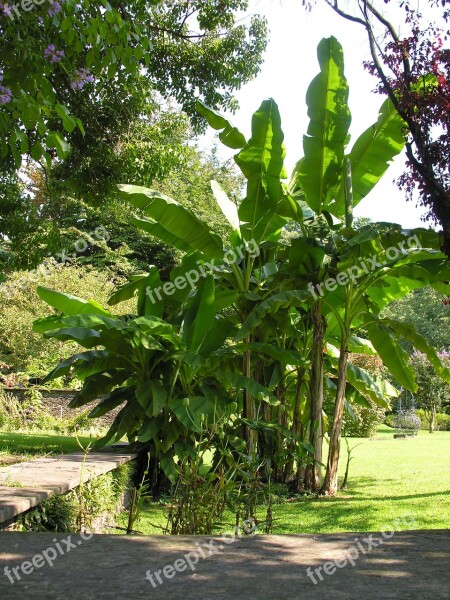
(411, 565)
(25, 485)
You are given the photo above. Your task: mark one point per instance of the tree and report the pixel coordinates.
(78, 195)
(413, 70)
(432, 391)
(62, 63)
(427, 310)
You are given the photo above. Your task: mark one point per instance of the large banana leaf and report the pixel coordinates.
(371, 386)
(71, 305)
(271, 305)
(171, 222)
(261, 161)
(392, 355)
(128, 290)
(372, 154)
(200, 317)
(320, 170)
(229, 135)
(228, 207)
(405, 331)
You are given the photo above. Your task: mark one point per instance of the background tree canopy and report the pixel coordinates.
(66, 67)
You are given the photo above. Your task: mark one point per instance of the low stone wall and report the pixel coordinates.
(56, 402)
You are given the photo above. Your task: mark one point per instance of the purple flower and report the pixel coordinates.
(5, 95)
(6, 9)
(40, 20)
(52, 54)
(81, 77)
(54, 9)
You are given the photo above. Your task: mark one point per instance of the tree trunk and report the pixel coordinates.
(295, 428)
(433, 419)
(249, 434)
(312, 473)
(330, 484)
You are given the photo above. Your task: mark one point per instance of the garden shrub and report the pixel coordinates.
(366, 423)
(31, 415)
(21, 349)
(82, 507)
(442, 421)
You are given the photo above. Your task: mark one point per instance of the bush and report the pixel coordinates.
(30, 414)
(29, 353)
(442, 421)
(366, 423)
(81, 508)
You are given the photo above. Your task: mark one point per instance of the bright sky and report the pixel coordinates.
(291, 63)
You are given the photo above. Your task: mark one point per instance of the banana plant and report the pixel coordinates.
(325, 176)
(256, 228)
(357, 302)
(161, 374)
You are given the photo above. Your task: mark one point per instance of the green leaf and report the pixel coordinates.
(30, 117)
(159, 397)
(392, 355)
(54, 140)
(150, 428)
(88, 338)
(229, 136)
(377, 389)
(198, 412)
(406, 331)
(320, 171)
(261, 162)
(169, 466)
(128, 290)
(201, 315)
(151, 301)
(372, 153)
(272, 305)
(70, 305)
(75, 361)
(228, 207)
(287, 357)
(110, 402)
(254, 388)
(95, 387)
(172, 222)
(144, 394)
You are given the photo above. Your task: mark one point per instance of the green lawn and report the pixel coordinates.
(20, 446)
(388, 479)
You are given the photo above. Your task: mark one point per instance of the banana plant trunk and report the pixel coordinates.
(249, 434)
(330, 484)
(312, 472)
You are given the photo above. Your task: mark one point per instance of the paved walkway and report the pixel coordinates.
(412, 565)
(25, 485)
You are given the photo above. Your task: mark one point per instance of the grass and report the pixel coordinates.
(388, 479)
(16, 447)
